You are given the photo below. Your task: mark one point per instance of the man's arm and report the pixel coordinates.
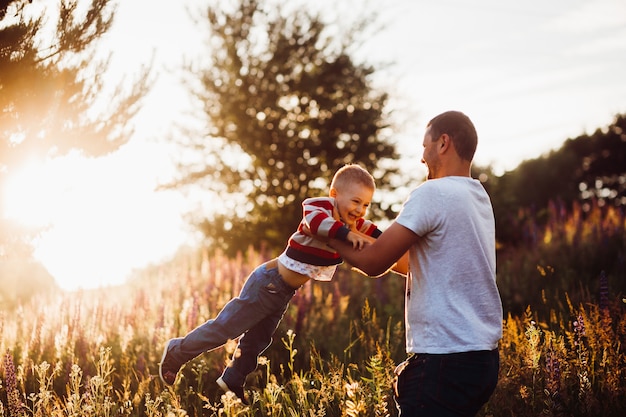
(376, 258)
(400, 267)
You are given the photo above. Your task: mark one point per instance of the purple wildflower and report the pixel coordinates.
(579, 326)
(604, 292)
(553, 369)
(13, 395)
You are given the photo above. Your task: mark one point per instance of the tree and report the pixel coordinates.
(50, 84)
(286, 107)
(601, 173)
(584, 168)
(54, 95)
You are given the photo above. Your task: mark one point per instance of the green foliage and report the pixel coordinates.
(286, 106)
(584, 169)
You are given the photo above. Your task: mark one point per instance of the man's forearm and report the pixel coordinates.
(387, 251)
(363, 259)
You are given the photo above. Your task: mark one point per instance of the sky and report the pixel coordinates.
(529, 74)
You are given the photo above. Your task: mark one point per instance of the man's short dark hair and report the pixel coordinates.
(460, 129)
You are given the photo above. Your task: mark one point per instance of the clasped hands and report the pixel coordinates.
(358, 239)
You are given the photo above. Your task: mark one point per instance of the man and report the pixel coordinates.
(453, 310)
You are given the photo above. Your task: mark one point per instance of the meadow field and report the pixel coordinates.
(96, 353)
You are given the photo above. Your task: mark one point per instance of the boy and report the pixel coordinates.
(264, 298)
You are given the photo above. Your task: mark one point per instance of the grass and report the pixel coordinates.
(96, 353)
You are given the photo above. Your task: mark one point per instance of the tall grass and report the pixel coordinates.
(564, 250)
(96, 353)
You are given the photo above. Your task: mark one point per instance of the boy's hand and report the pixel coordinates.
(359, 240)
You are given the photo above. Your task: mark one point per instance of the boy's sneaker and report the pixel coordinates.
(238, 391)
(168, 368)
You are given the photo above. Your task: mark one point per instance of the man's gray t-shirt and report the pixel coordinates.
(452, 301)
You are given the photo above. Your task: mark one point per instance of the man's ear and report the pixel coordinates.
(333, 192)
(446, 142)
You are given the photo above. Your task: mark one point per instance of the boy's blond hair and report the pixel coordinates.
(352, 174)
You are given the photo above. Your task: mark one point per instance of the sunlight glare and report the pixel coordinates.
(27, 192)
(102, 217)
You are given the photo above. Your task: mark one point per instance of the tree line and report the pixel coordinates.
(588, 169)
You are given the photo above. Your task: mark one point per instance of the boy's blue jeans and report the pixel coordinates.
(446, 385)
(255, 313)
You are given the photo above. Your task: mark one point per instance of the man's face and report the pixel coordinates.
(352, 202)
(431, 154)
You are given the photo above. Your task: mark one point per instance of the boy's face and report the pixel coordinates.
(352, 201)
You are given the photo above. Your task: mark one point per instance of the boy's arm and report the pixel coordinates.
(321, 220)
(338, 231)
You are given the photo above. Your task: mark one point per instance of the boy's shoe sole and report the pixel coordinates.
(168, 376)
(237, 391)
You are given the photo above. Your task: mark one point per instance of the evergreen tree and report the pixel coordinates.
(286, 106)
(50, 84)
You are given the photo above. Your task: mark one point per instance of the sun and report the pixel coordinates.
(100, 218)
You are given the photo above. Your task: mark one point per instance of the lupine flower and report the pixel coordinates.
(579, 327)
(13, 395)
(604, 292)
(553, 370)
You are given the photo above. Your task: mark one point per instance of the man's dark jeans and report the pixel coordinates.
(456, 384)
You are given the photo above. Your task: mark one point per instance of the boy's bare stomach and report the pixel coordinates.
(291, 278)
